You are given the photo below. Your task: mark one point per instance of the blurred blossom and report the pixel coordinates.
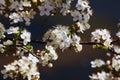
(12, 30)
(15, 5)
(2, 2)
(101, 76)
(118, 34)
(82, 27)
(97, 63)
(116, 49)
(26, 3)
(76, 43)
(82, 5)
(2, 48)
(45, 10)
(8, 42)
(116, 62)
(25, 36)
(65, 9)
(15, 17)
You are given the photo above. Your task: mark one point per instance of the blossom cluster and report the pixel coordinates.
(102, 36)
(103, 76)
(26, 67)
(62, 37)
(47, 56)
(19, 40)
(109, 69)
(24, 10)
(17, 35)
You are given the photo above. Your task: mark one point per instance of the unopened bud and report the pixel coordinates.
(50, 65)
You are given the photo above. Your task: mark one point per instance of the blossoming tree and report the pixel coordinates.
(18, 39)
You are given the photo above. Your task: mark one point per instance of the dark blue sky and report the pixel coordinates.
(106, 8)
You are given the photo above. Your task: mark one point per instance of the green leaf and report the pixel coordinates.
(99, 46)
(47, 51)
(30, 47)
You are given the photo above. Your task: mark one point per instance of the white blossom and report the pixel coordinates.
(103, 36)
(45, 10)
(48, 55)
(118, 34)
(78, 47)
(116, 62)
(25, 36)
(76, 43)
(15, 17)
(65, 9)
(82, 5)
(59, 36)
(2, 2)
(52, 52)
(24, 66)
(82, 15)
(26, 3)
(47, 35)
(81, 27)
(16, 5)
(62, 38)
(97, 63)
(33, 58)
(12, 30)
(35, 1)
(101, 76)
(76, 16)
(116, 49)
(8, 42)
(27, 15)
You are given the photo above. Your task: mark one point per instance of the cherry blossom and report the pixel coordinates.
(25, 36)
(45, 10)
(25, 65)
(8, 42)
(59, 36)
(12, 30)
(16, 5)
(15, 17)
(2, 2)
(48, 55)
(102, 36)
(101, 76)
(97, 63)
(116, 62)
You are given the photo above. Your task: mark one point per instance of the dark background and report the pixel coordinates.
(71, 65)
